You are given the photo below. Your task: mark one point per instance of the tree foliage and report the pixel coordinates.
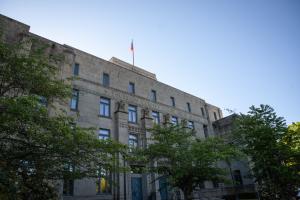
(35, 147)
(186, 161)
(273, 149)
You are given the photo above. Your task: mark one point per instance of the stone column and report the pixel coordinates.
(121, 191)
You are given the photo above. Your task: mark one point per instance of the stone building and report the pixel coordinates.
(121, 101)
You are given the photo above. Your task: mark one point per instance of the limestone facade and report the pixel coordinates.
(110, 80)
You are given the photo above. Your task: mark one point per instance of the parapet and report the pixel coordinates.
(132, 68)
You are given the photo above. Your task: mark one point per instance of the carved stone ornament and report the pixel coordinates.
(121, 106)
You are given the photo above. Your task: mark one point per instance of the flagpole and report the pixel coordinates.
(132, 49)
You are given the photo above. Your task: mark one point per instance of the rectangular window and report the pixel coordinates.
(155, 116)
(219, 112)
(76, 69)
(132, 114)
(68, 184)
(105, 80)
(153, 96)
(104, 134)
(172, 101)
(205, 130)
(104, 107)
(202, 112)
(103, 183)
(131, 88)
(237, 177)
(74, 99)
(188, 106)
(132, 141)
(174, 120)
(191, 124)
(215, 115)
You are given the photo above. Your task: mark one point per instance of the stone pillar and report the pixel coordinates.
(147, 123)
(121, 191)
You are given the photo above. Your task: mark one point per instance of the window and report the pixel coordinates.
(188, 106)
(174, 120)
(172, 101)
(74, 100)
(104, 134)
(131, 88)
(219, 112)
(42, 101)
(76, 69)
(68, 185)
(155, 116)
(132, 114)
(103, 183)
(215, 115)
(132, 141)
(153, 95)
(205, 130)
(191, 125)
(202, 111)
(105, 80)
(104, 107)
(237, 177)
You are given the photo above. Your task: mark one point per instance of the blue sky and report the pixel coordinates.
(233, 53)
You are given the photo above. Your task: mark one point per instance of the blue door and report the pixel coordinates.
(163, 188)
(136, 188)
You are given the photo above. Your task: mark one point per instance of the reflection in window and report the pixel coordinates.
(191, 125)
(132, 141)
(104, 134)
(74, 100)
(132, 114)
(174, 120)
(104, 107)
(155, 116)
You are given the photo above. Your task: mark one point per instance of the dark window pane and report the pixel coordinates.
(76, 69)
(74, 99)
(172, 101)
(188, 106)
(215, 115)
(131, 88)
(153, 96)
(202, 111)
(105, 79)
(205, 130)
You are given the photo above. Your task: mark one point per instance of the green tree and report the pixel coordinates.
(184, 160)
(272, 149)
(35, 147)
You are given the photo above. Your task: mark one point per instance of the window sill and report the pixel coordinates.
(107, 117)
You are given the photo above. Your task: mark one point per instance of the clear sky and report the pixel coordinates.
(233, 53)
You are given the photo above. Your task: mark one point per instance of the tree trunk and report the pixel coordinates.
(187, 192)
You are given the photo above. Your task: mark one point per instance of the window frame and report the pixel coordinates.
(131, 88)
(153, 96)
(173, 102)
(188, 107)
(202, 111)
(191, 125)
(157, 117)
(102, 136)
(134, 116)
(105, 79)
(76, 69)
(132, 137)
(104, 105)
(176, 121)
(74, 98)
(215, 116)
